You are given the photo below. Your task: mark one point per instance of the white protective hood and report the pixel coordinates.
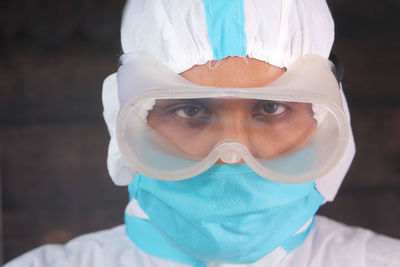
(177, 34)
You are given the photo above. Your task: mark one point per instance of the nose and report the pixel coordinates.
(230, 156)
(234, 127)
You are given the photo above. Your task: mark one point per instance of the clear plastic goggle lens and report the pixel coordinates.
(268, 129)
(178, 138)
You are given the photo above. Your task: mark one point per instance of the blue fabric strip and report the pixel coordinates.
(143, 233)
(225, 27)
(148, 239)
(298, 239)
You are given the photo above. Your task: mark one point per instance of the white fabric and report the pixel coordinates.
(329, 184)
(133, 209)
(319, 113)
(277, 31)
(174, 31)
(329, 244)
(119, 170)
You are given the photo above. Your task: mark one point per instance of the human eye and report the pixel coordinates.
(270, 109)
(189, 111)
(191, 114)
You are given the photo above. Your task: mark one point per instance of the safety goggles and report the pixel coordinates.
(292, 130)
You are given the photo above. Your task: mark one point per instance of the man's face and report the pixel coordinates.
(269, 129)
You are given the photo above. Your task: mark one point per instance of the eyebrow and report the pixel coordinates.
(208, 102)
(167, 103)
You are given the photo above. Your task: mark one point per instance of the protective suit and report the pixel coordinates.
(258, 207)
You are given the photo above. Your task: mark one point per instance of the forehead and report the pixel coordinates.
(236, 72)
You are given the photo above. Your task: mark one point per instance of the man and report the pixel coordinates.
(234, 120)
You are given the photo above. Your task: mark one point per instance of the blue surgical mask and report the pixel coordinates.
(227, 214)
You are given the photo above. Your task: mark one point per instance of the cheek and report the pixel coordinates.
(193, 143)
(303, 127)
(296, 135)
(284, 137)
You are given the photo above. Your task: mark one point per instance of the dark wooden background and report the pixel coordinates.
(54, 56)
